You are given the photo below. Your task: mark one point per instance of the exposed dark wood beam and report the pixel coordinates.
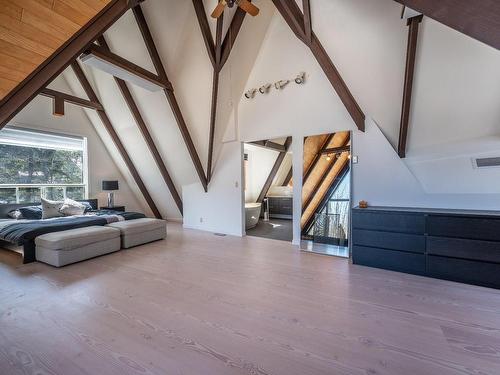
(215, 93)
(71, 99)
(316, 158)
(270, 145)
(333, 185)
(274, 170)
(58, 106)
(477, 19)
(335, 150)
(127, 96)
(306, 6)
(295, 23)
(205, 30)
(295, 20)
(114, 136)
(232, 33)
(288, 177)
(174, 105)
(411, 53)
(130, 67)
(318, 184)
(16, 100)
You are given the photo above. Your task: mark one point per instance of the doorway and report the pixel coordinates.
(268, 186)
(326, 192)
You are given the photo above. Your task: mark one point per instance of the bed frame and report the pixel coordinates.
(29, 247)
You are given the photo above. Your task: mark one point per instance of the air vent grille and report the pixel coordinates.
(487, 162)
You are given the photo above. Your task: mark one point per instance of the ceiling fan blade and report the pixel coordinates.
(248, 7)
(219, 9)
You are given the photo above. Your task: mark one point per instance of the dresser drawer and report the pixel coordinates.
(413, 243)
(389, 221)
(465, 271)
(464, 227)
(487, 251)
(389, 259)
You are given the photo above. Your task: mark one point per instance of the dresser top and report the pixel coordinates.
(433, 211)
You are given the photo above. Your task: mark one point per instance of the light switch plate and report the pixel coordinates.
(355, 159)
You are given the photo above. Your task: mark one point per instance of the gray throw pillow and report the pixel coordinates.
(51, 208)
(71, 207)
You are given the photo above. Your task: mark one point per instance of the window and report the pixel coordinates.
(37, 164)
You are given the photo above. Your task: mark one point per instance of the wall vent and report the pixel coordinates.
(486, 162)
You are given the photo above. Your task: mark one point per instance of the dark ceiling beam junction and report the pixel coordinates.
(269, 145)
(333, 186)
(477, 19)
(295, 20)
(131, 104)
(218, 52)
(120, 62)
(114, 136)
(316, 158)
(215, 94)
(336, 150)
(306, 6)
(411, 53)
(288, 177)
(174, 105)
(322, 179)
(67, 98)
(205, 30)
(18, 98)
(274, 170)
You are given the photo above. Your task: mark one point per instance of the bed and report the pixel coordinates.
(21, 234)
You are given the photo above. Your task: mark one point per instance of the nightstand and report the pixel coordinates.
(114, 208)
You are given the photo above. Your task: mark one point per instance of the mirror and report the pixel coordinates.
(268, 186)
(326, 191)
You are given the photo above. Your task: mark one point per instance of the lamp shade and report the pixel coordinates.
(110, 185)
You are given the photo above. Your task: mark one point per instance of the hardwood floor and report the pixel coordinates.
(202, 304)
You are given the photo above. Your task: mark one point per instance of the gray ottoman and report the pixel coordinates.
(140, 231)
(74, 245)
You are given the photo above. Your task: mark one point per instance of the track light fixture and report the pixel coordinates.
(300, 79)
(250, 93)
(265, 89)
(280, 85)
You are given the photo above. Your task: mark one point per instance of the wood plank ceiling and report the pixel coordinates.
(323, 173)
(32, 30)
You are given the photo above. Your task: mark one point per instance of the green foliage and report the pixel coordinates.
(30, 165)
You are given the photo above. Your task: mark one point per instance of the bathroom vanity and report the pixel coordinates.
(280, 207)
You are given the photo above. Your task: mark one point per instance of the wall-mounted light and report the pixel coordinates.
(300, 79)
(281, 84)
(265, 88)
(250, 93)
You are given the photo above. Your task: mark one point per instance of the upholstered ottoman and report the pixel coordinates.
(140, 231)
(74, 245)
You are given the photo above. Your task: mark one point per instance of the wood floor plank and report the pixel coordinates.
(196, 303)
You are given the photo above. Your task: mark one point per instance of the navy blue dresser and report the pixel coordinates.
(454, 245)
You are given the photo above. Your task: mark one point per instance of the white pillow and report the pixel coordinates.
(71, 207)
(15, 214)
(51, 208)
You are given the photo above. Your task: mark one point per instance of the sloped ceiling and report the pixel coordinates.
(179, 42)
(31, 31)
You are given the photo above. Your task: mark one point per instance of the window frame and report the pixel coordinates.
(43, 187)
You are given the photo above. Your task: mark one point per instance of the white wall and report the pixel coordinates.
(221, 209)
(259, 165)
(38, 115)
(456, 98)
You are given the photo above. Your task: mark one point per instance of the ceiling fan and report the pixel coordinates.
(246, 5)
